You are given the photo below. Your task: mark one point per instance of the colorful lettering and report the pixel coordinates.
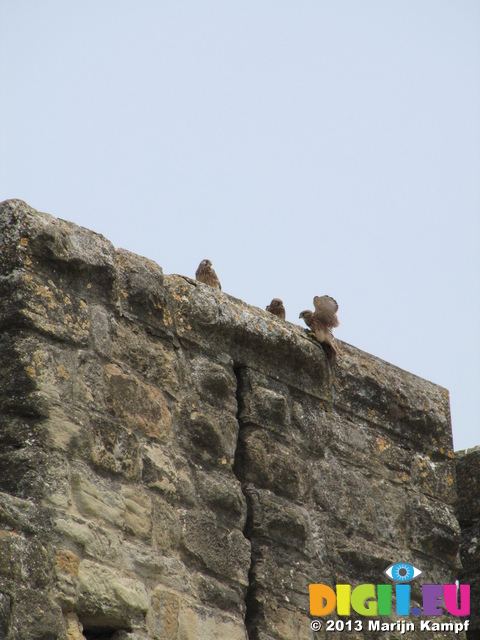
(322, 600)
(450, 594)
(402, 592)
(384, 595)
(363, 600)
(343, 599)
(432, 596)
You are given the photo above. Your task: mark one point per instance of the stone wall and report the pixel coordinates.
(468, 511)
(178, 465)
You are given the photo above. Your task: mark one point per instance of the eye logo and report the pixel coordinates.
(402, 572)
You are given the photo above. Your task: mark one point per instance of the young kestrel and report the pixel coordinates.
(276, 307)
(206, 274)
(326, 310)
(322, 319)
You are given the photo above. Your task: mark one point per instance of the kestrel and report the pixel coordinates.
(276, 307)
(206, 274)
(326, 310)
(322, 319)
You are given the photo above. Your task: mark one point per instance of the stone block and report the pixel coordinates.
(139, 290)
(113, 448)
(166, 526)
(215, 593)
(282, 522)
(416, 410)
(269, 464)
(55, 311)
(35, 616)
(163, 614)
(467, 464)
(214, 383)
(160, 473)
(97, 498)
(435, 479)
(285, 622)
(210, 436)
(21, 397)
(200, 623)
(223, 494)
(136, 404)
(156, 358)
(22, 471)
(73, 626)
(431, 528)
(138, 511)
(21, 516)
(223, 551)
(107, 596)
(172, 617)
(263, 401)
(90, 539)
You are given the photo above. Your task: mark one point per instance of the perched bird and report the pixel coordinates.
(326, 310)
(206, 274)
(276, 307)
(322, 319)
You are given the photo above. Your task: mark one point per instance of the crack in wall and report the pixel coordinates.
(251, 603)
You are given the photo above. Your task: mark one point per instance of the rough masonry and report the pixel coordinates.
(176, 464)
(468, 512)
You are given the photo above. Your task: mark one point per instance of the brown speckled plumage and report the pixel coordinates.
(276, 307)
(207, 275)
(322, 319)
(326, 310)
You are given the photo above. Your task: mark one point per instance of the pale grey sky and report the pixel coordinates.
(304, 147)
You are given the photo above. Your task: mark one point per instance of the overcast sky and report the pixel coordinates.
(307, 148)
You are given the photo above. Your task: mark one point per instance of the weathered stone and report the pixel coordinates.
(23, 559)
(214, 592)
(90, 539)
(21, 516)
(468, 470)
(160, 472)
(5, 610)
(139, 290)
(73, 627)
(214, 383)
(166, 526)
(223, 495)
(34, 616)
(212, 435)
(155, 358)
(107, 597)
(285, 622)
(279, 520)
(222, 551)
(178, 464)
(97, 498)
(162, 619)
(138, 405)
(201, 623)
(125, 635)
(431, 528)
(270, 464)
(154, 568)
(115, 449)
(468, 511)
